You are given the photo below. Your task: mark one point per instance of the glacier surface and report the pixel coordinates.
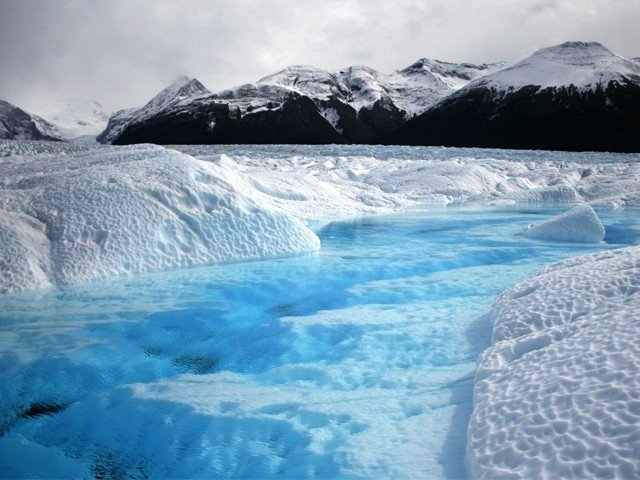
(557, 395)
(107, 212)
(75, 212)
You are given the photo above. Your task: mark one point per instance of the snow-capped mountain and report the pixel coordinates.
(16, 124)
(180, 91)
(422, 84)
(412, 90)
(360, 104)
(573, 96)
(582, 64)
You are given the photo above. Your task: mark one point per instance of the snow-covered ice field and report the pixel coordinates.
(356, 356)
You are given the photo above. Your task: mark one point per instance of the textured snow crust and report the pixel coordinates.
(317, 183)
(557, 395)
(580, 224)
(100, 213)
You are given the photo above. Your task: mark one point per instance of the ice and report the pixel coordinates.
(329, 365)
(117, 211)
(580, 224)
(557, 393)
(77, 117)
(25, 262)
(44, 187)
(314, 183)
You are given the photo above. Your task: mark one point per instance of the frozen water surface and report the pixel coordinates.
(354, 362)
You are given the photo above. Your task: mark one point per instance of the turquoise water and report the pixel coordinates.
(355, 362)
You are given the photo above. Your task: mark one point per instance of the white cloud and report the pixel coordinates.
(122, 52)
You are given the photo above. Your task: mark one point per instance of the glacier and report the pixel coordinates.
(334, 364)
(152, 208)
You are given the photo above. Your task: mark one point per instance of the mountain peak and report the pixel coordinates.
(184, 86)
(582, 64)
(579, 45)
(298, 75)
(577, 53)
(453, 75)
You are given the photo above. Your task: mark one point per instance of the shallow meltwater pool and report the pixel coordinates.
(357, 362)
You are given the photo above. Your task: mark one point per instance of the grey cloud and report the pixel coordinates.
(122, 52)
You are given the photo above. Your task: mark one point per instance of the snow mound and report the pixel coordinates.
(580, 224)
(557, 395)
(65, 219)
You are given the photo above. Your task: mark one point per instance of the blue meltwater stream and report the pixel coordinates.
(357, 362)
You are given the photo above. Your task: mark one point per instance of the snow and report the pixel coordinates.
(116, 211)
(332, 117)
(16, 124)
(412, 90)
(76, 117)
(581, 64)
(557, 393)
(251, 97)
(25, 262)
(580, 224)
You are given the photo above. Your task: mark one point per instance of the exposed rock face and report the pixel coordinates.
(16, 124)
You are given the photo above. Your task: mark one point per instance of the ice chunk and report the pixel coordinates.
(580, 224)
(137, 209)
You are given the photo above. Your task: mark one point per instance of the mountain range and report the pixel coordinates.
(300, 104)
(573, 96)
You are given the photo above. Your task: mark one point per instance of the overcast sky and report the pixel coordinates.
(123, 52)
